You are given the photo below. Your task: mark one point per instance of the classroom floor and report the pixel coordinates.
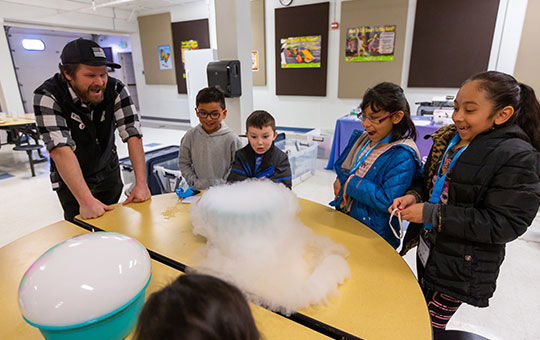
(28, 203)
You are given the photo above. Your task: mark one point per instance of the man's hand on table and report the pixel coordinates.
(139, 193)
(93, 209)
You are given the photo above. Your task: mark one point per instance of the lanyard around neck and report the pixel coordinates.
(439, 182)
(360, 160)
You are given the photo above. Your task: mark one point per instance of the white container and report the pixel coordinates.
(85, 282)
(302, 157)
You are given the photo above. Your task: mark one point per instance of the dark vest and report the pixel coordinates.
(94, 138)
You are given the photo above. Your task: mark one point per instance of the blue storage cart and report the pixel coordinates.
(153, 158)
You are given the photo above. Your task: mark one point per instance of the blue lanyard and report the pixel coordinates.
(360, 160)
(439, 182)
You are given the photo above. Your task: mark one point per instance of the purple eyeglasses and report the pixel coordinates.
(363, 117)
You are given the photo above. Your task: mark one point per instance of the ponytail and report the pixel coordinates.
(504, 90)
(528, 114)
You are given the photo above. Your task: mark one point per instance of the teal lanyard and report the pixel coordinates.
(360, 160)
(439, 182)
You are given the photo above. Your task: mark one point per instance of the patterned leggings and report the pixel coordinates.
(441, 307)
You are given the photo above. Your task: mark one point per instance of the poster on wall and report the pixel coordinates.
(301, 52)
(187, 35)
(370, 43)
(164, 55)
(255, 60)
(187, 46)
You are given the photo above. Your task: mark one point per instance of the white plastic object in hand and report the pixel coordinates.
(398, 215)
(83, 278)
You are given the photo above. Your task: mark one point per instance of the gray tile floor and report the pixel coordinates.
(28, 203)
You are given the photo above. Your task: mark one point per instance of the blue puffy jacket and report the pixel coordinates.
(388, 178)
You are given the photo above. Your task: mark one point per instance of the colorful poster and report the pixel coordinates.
(370, 43)
(188, 46)
(255, 60)
(164, 55)
(301, 52)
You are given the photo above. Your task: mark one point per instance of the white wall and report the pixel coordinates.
(319, 112)
(322, 112)
(11, 101)
(115, 43)
(164, 101)
(35, 14)
(504, 49)
(103, 19)
(302, 111)
(34, 67)
(512, 20)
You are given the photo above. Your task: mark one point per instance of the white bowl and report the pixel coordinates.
(83, 279)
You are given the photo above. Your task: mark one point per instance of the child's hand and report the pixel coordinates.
(337, 187)
(402, 202)
(413, 213)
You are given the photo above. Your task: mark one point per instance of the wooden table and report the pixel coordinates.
(17, 127)
(17, 256)
(20, 130)
(17, 121)
(381, 300)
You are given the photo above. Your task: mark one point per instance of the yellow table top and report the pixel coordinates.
(14, 121)
(381, 300)
(17, 256)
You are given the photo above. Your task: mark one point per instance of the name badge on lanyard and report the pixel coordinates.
(439, 182)
(360, 160)
(423, 250)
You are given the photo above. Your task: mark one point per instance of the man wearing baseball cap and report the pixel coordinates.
(77, 112)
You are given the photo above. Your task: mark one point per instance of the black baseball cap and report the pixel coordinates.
(87, 52)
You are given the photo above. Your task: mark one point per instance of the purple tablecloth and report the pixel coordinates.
(345, 127)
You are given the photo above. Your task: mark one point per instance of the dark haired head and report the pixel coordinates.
(389, 97)
(70, 69)
(197, 307)
(504, 90)
(210, 95)
(260, 119)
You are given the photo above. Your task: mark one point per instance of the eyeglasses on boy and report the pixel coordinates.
(204, 114)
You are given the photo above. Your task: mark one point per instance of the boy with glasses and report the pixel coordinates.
(207, 150)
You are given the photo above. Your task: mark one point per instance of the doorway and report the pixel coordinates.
(125, 59)
(34, 66)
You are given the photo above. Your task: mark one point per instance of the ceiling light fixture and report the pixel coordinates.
(113, 3)
(33, 44)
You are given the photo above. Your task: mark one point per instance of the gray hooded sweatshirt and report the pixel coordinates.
(205, 160)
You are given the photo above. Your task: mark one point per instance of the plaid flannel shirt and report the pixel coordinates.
(55, 131)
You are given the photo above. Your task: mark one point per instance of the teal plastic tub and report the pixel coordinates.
(114, 325)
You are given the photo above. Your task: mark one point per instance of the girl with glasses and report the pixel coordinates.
(380, 163)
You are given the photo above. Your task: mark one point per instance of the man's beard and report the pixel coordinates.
(85, 95)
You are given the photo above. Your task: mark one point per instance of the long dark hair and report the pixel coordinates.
(504, 90)
(197, 307)
(390, 97)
